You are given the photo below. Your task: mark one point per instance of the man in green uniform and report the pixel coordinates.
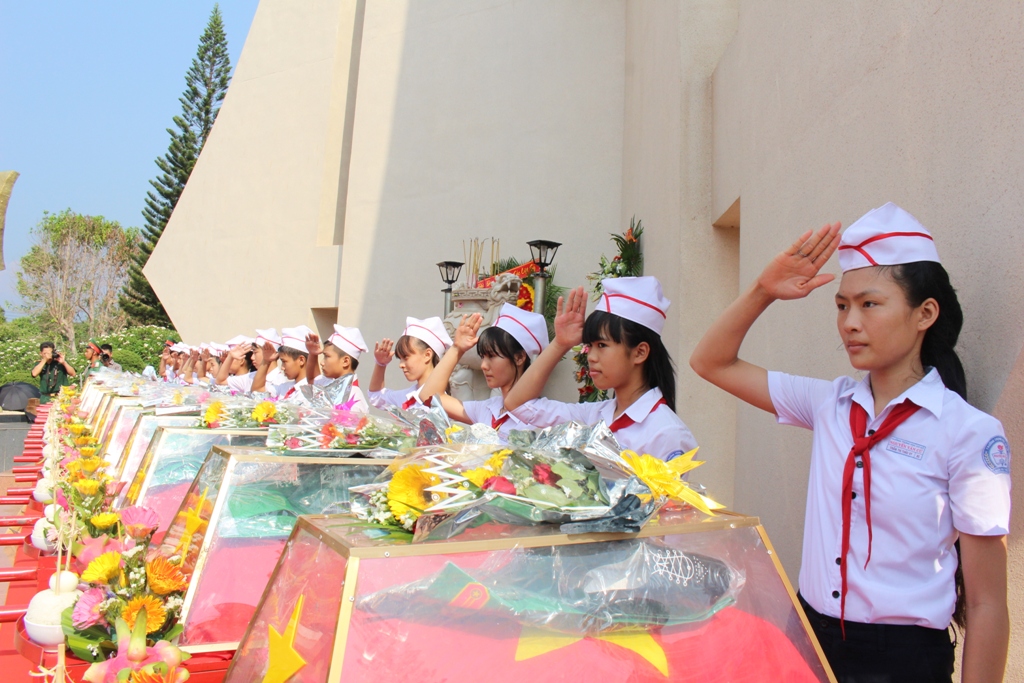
(92, 357)
(53, 371)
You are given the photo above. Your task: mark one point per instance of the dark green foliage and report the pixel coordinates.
(129, 360)
(206, 84)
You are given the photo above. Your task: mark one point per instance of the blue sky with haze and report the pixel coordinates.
(87, 92)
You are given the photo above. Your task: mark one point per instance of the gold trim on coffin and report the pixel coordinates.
(140, 482)
(724, 519)
(796, 603)
(236, 454)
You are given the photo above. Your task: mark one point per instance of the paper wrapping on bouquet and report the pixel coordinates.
(243, 412)
(576, 590)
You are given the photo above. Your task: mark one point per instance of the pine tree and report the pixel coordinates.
(206, 83)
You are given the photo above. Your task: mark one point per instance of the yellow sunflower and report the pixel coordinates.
(164, 577)
(103, 568)
(87, 451)
(156, 615)
(104, 520)
(91, 464)
(213, 412)
(407, 492)
(87, 487)
(85, 441)
(76, 429)
(264, 411)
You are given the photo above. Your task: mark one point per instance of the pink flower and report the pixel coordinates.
(292, 443)
(58, 495)
(500, 485)
(203, 397)
(352, 438)
(344, 418)
(139, 521)
(94, 547)
(543, 474)
(87, 610)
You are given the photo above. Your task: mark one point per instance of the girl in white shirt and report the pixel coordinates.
(419, 350)
(879, 578)
(505, 351)
(626, 356)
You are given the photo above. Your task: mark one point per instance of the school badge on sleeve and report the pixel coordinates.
(997, 455)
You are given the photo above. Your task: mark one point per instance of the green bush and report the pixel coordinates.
(144, 341)
(129, 360)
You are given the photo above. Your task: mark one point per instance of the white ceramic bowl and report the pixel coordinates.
(44, 634)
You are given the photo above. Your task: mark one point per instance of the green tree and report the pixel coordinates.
(73, 273)
(206, 83)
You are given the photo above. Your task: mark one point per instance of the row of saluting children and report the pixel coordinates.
(892, 552)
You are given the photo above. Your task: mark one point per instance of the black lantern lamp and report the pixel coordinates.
(543, 253)
(450, 271)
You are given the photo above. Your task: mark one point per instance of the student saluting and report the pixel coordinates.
(901, 466)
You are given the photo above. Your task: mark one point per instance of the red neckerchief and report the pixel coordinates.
(289, 392)
(623, 421)
(411, 401)
(496, 422)
(862, 449)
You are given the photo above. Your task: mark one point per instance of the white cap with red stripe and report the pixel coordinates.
(295, 338)
(886, 236)
(349, 340)
(239, 339)
(529, 329)
(264, 336)
(635, 298)
(430, 331)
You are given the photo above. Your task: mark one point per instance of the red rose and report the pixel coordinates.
(500, 485)
(543, 474)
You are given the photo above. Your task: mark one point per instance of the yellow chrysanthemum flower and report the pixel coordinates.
(104, 520)
(87, 487)
(103, 568)
(85, 441)
(156, 615)
(76, 429)
(479, 475)
(87, 451)
(407, 492)
(498, 459)
(264, 411)
(164, 577)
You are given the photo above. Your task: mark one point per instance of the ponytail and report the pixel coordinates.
(659, 370)
(929, 280)
(920, 281)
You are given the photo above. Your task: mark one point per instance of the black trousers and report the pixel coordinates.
(881, 653)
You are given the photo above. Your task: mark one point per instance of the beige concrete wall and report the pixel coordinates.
(671, 52)
(241, 249)
(825, 110)
(494, 118)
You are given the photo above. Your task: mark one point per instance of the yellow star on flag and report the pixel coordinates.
(535, 642)
(193, 521)
(283, 661)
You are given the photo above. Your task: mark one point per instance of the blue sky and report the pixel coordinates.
(87, 92)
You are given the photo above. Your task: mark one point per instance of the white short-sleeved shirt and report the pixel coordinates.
(489, 411)
(391, 397)
(355, 396)
(945, 470)
(241, 383)
(655, 430)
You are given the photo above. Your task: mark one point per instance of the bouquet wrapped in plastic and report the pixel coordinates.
(571, 475)
(345, 433)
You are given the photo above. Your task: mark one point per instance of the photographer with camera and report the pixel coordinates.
(107, 358)
(53, 371)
